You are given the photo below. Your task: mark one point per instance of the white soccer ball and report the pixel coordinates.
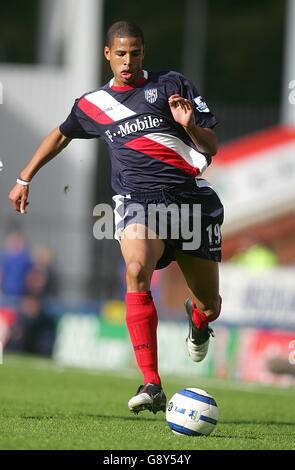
(192, 412)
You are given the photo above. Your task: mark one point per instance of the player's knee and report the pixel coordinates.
(136, 275)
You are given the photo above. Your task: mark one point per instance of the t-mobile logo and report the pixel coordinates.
(130, 127)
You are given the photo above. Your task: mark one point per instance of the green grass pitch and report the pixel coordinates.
(44, 406)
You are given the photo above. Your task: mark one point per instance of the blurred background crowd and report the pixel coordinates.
(27, 280)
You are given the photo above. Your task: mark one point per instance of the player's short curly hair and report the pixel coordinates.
(123, 29)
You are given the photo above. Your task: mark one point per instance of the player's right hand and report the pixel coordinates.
(18, 197)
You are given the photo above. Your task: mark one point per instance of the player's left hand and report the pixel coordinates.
(181, 109)
(19, 198)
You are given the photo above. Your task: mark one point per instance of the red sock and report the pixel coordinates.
(142, 322)
(200, 319)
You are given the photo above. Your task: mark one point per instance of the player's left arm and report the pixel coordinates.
(204, 138)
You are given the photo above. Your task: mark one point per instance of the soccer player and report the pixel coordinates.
(159, 132)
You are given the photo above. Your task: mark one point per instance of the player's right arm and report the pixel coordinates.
(51, 146)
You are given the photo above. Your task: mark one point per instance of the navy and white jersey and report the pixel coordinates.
(149, 150)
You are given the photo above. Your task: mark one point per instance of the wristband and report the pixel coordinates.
(23, 182)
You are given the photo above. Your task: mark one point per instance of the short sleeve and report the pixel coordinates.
(203, 116)
(72, 126)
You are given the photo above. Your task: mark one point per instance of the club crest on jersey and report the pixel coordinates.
(151, 95)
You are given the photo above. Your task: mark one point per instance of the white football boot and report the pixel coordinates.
(198, 338)
(148, 397)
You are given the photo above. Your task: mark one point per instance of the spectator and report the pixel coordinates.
(41, 280)
(15, 264)
(34, 330)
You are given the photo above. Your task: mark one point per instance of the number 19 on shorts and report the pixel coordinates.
(214, 236)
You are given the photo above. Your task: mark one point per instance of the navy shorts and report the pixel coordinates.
(186, 217)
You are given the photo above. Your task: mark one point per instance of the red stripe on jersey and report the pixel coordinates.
(94, 112)
(161, 152)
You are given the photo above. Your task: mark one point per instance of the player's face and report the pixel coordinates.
(125, 56)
